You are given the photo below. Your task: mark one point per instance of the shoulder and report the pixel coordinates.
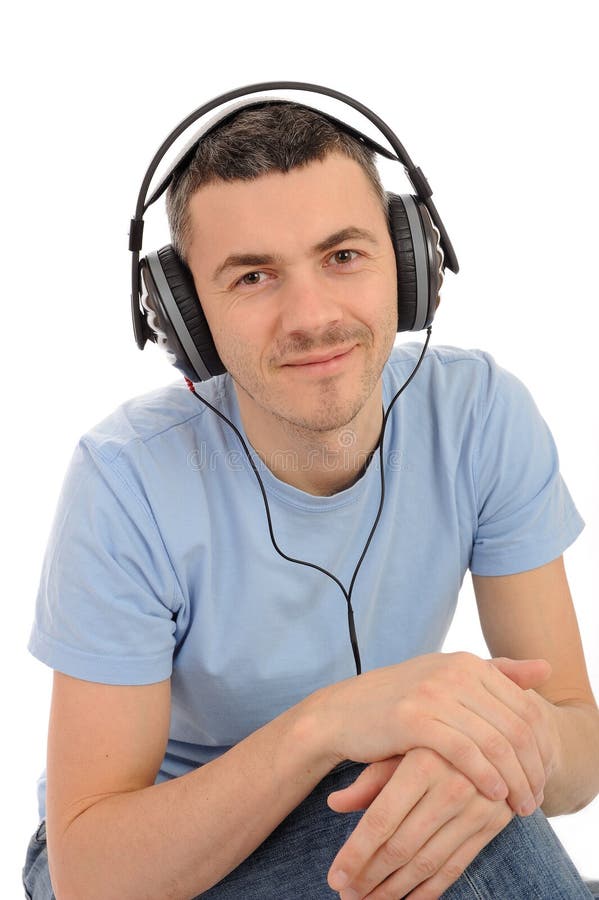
(441, 358)
(462, 391)
(166, 416)
(456, 371)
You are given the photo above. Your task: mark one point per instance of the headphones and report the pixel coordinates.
(165, 306)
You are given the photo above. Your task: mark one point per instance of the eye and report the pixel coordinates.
(249, 275)
(344, 254)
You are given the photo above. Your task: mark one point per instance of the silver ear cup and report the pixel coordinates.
(440, 261)
(438, 252)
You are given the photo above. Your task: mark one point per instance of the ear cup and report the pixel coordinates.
(176, 317)
(419, 258)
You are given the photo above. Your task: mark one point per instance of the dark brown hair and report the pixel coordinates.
(274, 137)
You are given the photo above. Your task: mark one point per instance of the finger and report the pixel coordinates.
(453, 867)
(507, 741)
(520, 702)
(365, 788)
(445, 802)
(462, 752)
(378, 823)
(513, 747)
(526, 673)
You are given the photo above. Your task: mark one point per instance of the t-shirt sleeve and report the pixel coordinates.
(526, 516)
(106, 604)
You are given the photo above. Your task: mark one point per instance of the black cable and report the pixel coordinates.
(303, 562)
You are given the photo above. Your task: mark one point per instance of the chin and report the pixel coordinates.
(323, 419)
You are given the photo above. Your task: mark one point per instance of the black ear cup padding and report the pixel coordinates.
(419, 261)
(401, 236)
(181, 284)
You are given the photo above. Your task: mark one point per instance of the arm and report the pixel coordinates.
(531, 614)
(113, 833)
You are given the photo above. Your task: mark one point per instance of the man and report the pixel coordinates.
(205, 704)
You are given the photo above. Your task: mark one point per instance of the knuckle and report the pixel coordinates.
(427, 689)
(386, 892)
(424, 866)
(407, 709)
(484, 812)
(466, 663)
(452, 870)
(377, 822)
(496, 746)
(461, 680)
(532, 709)
(397, 851)
(463, 750)
(520, 735)
(457, 675)
(505, 817)
(459, 790)
(491, 819)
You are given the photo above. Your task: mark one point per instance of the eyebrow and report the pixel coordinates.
(237, 260)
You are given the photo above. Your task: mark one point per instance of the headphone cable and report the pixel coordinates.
(301, 562)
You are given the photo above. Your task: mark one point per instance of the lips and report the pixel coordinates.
(320, 358)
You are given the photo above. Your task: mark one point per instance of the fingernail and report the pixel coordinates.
(350, 894)
(339, 879)
(527, 808)
(539, 798)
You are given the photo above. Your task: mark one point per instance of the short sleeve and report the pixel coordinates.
(526, 516)
(106, 604)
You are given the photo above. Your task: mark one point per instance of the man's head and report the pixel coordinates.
(283, 223)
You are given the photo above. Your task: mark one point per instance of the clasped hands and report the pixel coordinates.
(457, 745)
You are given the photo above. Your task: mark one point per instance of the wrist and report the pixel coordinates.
(574, 783)
(313, 731)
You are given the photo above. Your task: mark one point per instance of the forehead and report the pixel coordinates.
(335, 188)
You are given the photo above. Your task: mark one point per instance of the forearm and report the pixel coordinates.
(173, 840)
(575, 783)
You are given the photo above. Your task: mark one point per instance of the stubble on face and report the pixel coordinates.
(291, 212)
(331, 409)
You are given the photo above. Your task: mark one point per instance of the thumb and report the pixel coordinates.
(526, 673)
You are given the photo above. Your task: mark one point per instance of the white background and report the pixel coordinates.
(496, 103)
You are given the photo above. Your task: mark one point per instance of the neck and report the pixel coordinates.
(317, 462)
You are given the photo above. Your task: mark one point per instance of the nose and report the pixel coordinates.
(308, 304)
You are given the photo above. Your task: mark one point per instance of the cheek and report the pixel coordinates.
(382, 304)
(237, 349)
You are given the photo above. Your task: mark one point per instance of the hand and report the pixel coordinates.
(544, 713)
(484, 722)
(426, 825)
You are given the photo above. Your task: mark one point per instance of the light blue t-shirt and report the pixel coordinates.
(159, 562)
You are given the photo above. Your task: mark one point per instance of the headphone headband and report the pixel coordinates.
(414, 173)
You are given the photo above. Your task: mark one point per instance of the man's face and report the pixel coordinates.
(302, 315)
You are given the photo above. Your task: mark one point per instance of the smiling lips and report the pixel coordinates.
(324, 360)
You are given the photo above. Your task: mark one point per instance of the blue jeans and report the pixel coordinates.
(525, 860)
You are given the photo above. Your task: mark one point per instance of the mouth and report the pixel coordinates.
(327, 360)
